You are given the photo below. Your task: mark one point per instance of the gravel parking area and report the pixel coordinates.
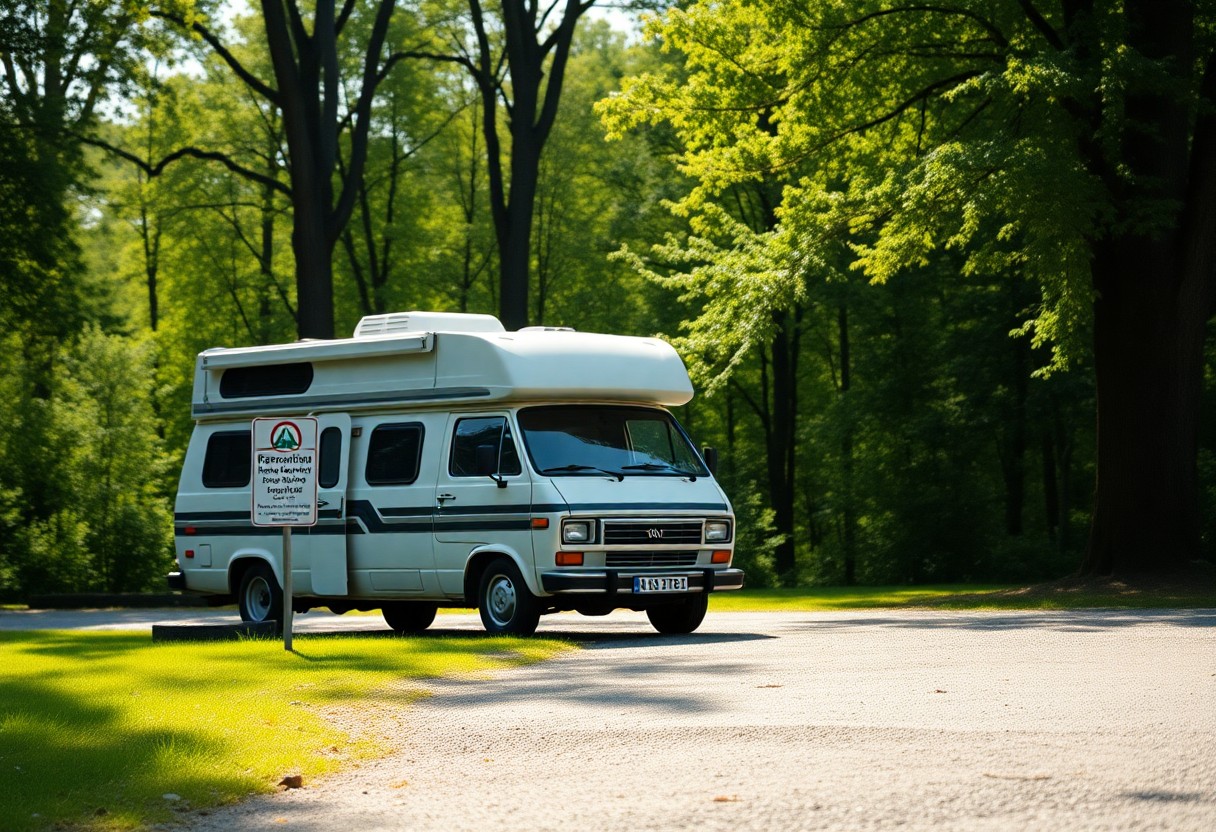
(855, 720)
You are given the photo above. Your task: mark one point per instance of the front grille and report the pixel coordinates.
(628, 559)
(636, 533)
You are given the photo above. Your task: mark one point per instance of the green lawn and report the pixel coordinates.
(840, 598)
(109, 731)
(1051, 596)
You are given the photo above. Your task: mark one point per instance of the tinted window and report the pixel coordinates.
(330, 466)
(392, 454)
(229, 461)
(492, 432)
(274, 380)
(589, 440)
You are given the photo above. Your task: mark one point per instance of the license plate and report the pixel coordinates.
(660, 584)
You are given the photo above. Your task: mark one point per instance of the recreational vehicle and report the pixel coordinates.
(460, 465)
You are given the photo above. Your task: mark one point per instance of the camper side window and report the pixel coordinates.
(228, 462)
(486, 433)
(393, 453)
(329, 468)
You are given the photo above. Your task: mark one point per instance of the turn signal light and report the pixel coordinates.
(540, 522)
(720, 557)
(189, 530)
(569, 558)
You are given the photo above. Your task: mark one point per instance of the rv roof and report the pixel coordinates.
(465, 358)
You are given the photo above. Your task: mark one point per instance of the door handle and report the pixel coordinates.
(443, 498)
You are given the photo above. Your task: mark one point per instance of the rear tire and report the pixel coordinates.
(505, 602)
(679, 618)
(260, 597)
(408, 616)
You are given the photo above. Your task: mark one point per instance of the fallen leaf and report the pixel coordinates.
(770, 686)
(723, 798)
(939, 690)
(401, 784)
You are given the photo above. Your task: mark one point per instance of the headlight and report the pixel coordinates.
(717, 531)
(579, 532)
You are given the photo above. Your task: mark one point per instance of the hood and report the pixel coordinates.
(653, 495)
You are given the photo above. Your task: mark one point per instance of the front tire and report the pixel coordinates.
(505, 602)
(409, 616)
(679, 618)
(260, 597)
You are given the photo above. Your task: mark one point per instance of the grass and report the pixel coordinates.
(1192, 588)
(820, 599)
(108, 731)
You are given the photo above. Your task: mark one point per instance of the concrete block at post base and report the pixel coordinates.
(216, 632)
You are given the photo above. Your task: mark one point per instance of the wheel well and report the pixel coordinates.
(236, 572)
(473, 571)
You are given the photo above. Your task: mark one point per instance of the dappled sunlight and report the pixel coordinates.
(99, 727)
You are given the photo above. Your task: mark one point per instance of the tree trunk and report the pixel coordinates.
(1155, 294)
(517, 246)
(849, 509)
(782, 446)
(1148, 355)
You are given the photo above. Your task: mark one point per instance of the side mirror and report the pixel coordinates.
(711, 459)
(485, 460)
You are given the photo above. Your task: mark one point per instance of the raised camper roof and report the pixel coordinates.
(421, 358)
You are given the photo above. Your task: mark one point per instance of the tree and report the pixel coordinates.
(523, 66)
(308, 90)
(1072, 146)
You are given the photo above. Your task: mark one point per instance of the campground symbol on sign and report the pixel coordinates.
(285, 472)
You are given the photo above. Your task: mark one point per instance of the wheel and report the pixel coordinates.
(408, 616)
(679, 618)
(260, 597)
(505, 603)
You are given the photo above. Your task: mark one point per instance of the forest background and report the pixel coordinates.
(906, 250)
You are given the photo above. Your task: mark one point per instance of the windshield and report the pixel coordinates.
(574, 440)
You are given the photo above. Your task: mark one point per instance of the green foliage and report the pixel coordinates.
(91, 473)
(868, 229)
(119, 466)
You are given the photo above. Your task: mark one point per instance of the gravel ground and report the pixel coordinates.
(869, 720)
(844, 720)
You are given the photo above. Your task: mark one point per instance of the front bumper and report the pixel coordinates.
(619, 581)
(176, 580)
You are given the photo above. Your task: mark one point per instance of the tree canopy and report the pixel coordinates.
(943, 273)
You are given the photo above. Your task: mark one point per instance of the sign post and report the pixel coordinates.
(285, 487)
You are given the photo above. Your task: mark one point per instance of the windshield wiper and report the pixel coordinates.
(654, 466)
(569, 468)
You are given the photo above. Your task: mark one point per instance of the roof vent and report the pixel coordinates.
(547, 329)
(399, 323)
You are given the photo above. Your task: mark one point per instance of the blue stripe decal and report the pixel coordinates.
(365, 513)
(363, 517)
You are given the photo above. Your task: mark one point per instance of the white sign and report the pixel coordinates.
(285, 472)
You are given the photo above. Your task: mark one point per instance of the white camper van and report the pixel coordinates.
(460, 465)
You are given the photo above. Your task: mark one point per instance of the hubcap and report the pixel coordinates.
(257, 599)
(501, 600)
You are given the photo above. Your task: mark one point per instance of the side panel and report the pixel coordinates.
(389, 506)
(211, 514)
(322, 548)
(472, 511)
